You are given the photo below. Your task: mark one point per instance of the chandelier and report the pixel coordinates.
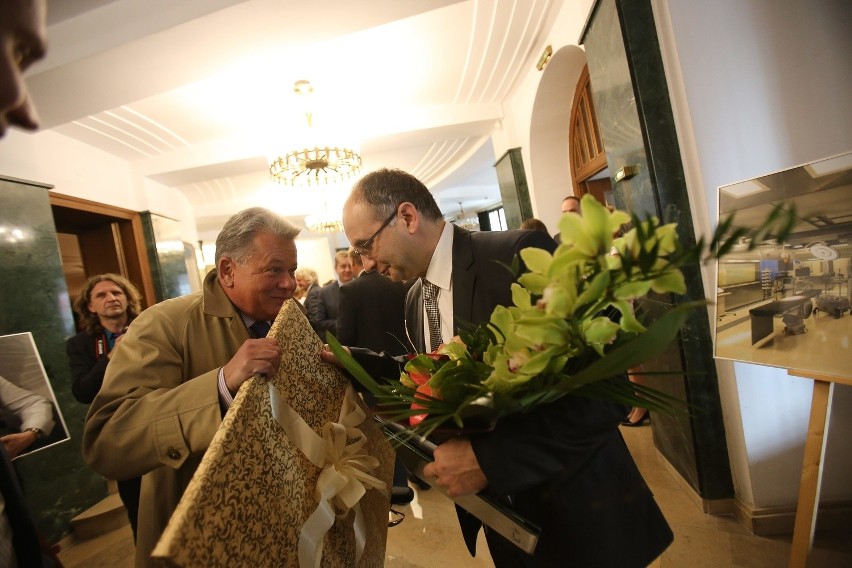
(465, 222)
(314, 163)
(324, 223)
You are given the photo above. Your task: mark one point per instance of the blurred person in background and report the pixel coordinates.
(322, 312)
(106, 306)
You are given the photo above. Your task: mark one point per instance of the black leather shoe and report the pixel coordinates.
(645, 418)
(401, 495)
(421, 485)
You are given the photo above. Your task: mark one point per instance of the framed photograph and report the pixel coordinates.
(787, 304)
(27, 401)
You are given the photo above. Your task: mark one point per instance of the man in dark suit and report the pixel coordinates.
(563, 466)
(322, 307)
(370, 314)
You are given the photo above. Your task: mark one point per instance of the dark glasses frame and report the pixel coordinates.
(366, 247)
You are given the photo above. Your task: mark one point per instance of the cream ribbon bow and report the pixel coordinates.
(340, 452)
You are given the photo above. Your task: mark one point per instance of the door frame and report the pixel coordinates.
(131, 237)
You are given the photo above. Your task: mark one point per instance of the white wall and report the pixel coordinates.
(547, 168)
(83, 171)
(759, 86)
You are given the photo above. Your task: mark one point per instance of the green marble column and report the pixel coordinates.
(634, 111)
(166, 256)
(514, 190)
(33, 297)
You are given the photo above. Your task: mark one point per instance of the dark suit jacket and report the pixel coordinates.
(311, 298)
(322, 309)
(564, 466)
(87, 370)
(371, 314)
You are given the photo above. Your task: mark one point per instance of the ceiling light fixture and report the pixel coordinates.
(324, 223)
(465, 222)
(823, 252)
(314, 163)
(744, 188)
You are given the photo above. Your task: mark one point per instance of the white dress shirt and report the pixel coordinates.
(440, 273)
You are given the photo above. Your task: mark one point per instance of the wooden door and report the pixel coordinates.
(95, 238)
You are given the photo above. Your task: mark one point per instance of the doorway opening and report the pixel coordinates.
(95, 238)
(589, 171)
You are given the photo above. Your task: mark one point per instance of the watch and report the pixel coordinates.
(37, 431)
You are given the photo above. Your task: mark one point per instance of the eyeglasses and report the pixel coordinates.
(366, 247)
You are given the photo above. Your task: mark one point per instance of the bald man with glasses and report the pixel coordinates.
(563, 466)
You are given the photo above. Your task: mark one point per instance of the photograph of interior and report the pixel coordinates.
(787, 304)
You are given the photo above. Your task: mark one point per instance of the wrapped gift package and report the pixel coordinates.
(297, 475)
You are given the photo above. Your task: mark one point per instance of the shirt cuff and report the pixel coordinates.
(224, 394)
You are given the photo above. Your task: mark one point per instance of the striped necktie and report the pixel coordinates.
(430, 302)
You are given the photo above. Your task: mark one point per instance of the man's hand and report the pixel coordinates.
(254, 356)
(329, 357)
(456, 469)
(17, 443)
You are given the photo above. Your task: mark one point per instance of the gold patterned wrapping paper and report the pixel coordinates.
(254, 490)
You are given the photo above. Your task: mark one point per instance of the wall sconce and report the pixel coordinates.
(545, 57)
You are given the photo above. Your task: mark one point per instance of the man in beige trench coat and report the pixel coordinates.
(180, 364)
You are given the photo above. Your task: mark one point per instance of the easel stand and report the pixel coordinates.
(809, 487)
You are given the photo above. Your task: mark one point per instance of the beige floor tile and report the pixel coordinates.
(697, 548)
(749, 551)
(429, 537)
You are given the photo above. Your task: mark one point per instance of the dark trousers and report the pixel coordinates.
(128, 490)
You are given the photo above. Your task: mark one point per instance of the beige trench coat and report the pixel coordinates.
(159, 408)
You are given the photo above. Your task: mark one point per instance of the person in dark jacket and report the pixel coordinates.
(322, 306)
(563, 466)
(106, 306)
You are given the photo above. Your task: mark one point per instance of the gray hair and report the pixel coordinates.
(236, 238)
(308, 274)
(383, 190)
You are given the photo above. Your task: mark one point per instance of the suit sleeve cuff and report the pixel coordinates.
(225, 398)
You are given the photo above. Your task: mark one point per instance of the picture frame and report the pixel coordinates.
(22, 367)
(787, 304)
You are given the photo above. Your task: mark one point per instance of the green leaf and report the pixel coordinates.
(595, 290)
(537, 260)
(669, 281)
(535, 283)
(632, 290)
(350, 364)
(521, 296)
(575, 232)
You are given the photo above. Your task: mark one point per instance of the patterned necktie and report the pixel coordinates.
(430, 301)
(259, 329)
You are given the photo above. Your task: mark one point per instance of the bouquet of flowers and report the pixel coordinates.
(572, 327)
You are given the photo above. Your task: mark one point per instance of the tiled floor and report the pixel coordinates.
(429, 536)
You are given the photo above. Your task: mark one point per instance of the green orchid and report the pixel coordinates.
(571, 325)
(591, 233)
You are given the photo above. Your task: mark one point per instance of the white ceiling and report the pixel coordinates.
(197, 94)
